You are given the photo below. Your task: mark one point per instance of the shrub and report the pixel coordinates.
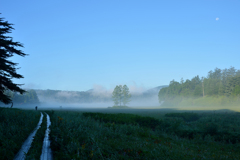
(188, 117)
(211, 129)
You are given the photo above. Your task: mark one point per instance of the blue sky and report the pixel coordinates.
(76, 45)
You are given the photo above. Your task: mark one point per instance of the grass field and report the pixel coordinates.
(120, 134)
(15, 126)
(139, 134)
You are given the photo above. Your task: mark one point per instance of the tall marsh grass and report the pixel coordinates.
(15, 127)
(91, 136)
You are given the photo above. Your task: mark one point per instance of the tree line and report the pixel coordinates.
(29, 97)
(225, 82)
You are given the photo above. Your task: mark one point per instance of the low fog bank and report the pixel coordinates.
(145, 102)
(203, 103)
(64, 106)
(20, 106)
(134, 103)
(98, 97)
(75, 105)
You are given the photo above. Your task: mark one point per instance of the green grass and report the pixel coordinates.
(188, 117)
(123, 136)
(35, 150)
(15, 127)
(121, 118)
(119, 107)
(205, 103)
(146, 134)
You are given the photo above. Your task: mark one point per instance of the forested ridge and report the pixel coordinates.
(60, 96)
(221, 85)
(34, 96)
(29, 97)
(89, 96)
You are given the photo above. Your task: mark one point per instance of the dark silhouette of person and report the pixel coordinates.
(36, 107)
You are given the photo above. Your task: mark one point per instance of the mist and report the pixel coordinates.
(204, 103)
(97, 97)
(135, 103)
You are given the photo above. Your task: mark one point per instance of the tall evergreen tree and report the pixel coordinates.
(8, 68)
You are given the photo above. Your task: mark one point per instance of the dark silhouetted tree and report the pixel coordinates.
(8, 68)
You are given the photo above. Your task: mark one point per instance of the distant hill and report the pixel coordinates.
(90, 90)
(89, 96)
(59, 96)
(29, 97)
(154, 90)
(149, 93)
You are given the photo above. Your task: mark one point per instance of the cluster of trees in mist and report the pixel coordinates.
(121, 95)
(28, 97)
(219, 82)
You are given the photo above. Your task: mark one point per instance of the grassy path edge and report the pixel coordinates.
(27, 143)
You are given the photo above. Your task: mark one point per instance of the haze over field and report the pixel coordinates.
(98, 97)
(80, 50)
(129, 79)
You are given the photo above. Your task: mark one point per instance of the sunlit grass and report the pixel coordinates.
(210, 108)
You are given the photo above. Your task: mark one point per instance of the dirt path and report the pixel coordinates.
(27, 144)
(46, 150)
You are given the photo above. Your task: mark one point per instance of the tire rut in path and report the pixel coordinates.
(27, 144)
(46, 150)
